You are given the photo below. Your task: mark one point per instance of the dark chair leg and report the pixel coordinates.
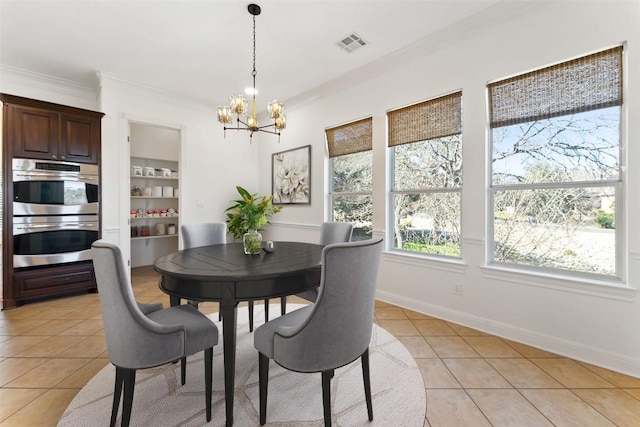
(266, 311)
(250, 305)
(263, 381)
(367, 382)
(283, 305)
(129, 376)
(208, 379)
(117, 392)
(326, 396)
(183, 369)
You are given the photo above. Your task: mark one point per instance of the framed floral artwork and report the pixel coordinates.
(291, 176)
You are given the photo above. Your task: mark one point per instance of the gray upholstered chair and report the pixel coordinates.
(335, 232)
(330, 232)
(205, 234)
(142, 336)
(332, 332)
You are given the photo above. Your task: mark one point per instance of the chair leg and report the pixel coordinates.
(326, 396)
(129, 376)
(183, 369)
(250, 305)
(117, 392)
(367, 382)
(266, 311)
(263, 381)
(283, 305)
(208, 379)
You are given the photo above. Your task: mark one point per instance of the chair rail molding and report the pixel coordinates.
(295, 225)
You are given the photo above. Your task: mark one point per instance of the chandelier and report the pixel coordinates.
(238, 103)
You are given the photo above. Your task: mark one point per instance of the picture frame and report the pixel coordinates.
(291, 176)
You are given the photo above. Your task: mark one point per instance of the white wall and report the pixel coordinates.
(595, 322)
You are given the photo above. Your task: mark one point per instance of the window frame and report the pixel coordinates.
(392, 192)
(619, 187)
(331, 193)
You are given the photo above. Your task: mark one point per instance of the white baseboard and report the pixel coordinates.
(567, 348)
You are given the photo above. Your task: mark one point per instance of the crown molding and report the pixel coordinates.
(112, 81)
(21, 77)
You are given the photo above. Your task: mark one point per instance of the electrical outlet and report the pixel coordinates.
(457, 289)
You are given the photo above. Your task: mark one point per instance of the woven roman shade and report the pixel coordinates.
(431, 119)
(351, 138)
(579, 85)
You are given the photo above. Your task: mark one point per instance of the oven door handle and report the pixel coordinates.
(66, 226)
(58, 176)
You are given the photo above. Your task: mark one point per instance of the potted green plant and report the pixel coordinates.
(247, 215)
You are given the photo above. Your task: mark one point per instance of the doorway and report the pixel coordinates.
(154, 206)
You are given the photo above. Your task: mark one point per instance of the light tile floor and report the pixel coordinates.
(50, 349)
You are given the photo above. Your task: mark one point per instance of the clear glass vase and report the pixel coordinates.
(252, 241)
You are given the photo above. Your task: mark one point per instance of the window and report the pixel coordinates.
(556, 186)
(350, 172)
(425, 142)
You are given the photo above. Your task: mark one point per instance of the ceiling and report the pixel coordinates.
(202, 49)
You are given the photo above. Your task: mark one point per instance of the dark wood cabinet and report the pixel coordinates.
(65, 279)
(41, 130)
(35, 132)
(79, 138)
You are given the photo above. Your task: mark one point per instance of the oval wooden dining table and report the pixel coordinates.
(225, 274)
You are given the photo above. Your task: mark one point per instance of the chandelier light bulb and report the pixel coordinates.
(238, 104)
(281, 122)
(275, 109)
(252, 122)
(224, 114)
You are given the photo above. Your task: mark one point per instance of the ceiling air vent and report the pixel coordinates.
(351, 42)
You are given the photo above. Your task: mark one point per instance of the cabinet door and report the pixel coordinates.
(79, 138)
(54, 281)
(36, 133)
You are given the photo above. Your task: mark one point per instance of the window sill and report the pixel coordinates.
(585, 286)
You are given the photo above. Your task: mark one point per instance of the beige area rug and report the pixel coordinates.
(294, 399)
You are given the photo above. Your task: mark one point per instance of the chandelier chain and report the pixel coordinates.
(254, 52)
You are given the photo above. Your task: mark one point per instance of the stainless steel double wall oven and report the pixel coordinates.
(55, 211)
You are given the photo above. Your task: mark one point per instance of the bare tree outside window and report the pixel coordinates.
(427, 184)
(351, 192)
(554, 185)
